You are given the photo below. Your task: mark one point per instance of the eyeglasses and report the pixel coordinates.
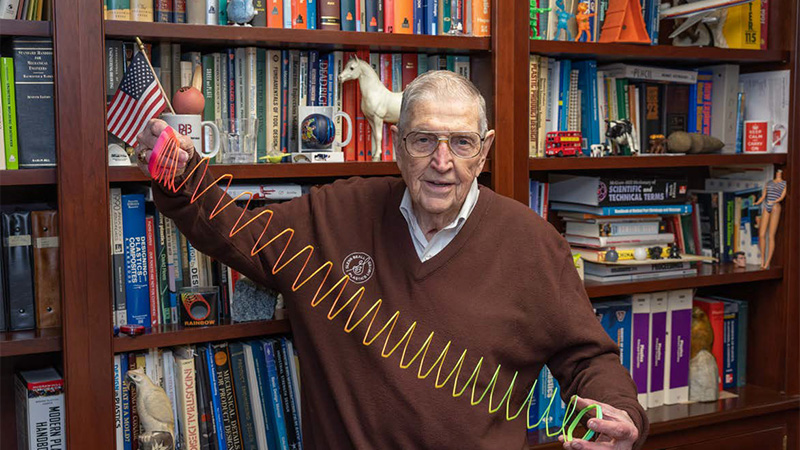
(463, 144)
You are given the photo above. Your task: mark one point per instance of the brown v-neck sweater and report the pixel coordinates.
(504, 290)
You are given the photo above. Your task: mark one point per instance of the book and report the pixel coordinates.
(610, 241)
(227, 396)
(613, 191)
(648, 73)
(207, 352)
(640, 343)
(611, 228)
(640, 276)
(287, 394)
(256, 371)
(152, 284)
(33, 83)
(186, 385)
(242, 390)
(273, 400)
(724, 97)
(118, 387)
(604, 270)
(137, 294)
(18, 263)
(615, 317)
(741, 335)
(621, 210)
(205, 415)
(39, 396)
(403, 17)
(730, 340)
(9, 112)
(46, 273)
(742, 26)
(658, 336)
(678, 348)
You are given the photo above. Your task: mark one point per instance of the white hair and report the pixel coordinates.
(439, 85)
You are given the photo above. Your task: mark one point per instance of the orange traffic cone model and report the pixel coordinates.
(624, 23)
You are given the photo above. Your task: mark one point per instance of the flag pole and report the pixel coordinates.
(144, 53)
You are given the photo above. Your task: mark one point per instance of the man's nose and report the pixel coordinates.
(442, 157)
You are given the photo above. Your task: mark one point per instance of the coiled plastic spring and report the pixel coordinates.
(163, 167)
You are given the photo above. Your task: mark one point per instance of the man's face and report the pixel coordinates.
(439, 183)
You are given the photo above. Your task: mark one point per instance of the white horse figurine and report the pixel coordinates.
(378, 103)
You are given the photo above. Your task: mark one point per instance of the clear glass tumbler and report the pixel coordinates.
(238, 138)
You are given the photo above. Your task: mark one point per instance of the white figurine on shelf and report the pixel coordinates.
(378, 103)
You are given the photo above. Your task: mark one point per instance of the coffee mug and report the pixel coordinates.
(192, 125)
(317, 128)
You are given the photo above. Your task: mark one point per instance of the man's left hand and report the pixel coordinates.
(615, 431)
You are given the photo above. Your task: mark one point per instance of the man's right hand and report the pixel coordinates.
(146, 140)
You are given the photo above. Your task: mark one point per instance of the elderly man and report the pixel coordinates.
(428, 304)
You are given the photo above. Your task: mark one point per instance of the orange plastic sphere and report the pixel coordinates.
(188, 100)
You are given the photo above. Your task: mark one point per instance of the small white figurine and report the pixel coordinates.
(378, 103)
(152, 404)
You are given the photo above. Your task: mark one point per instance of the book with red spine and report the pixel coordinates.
(361, 124)
(388, 16)
(275, 14)
(481, 17)
(409, 68)
(300, 14)
(387, 150)
(349, 92)
(150, 236)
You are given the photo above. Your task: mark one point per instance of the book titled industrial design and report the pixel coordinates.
(33, 82)
(40, 410)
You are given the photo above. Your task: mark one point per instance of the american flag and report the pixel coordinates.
(138, 99)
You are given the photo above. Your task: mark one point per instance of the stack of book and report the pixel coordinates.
(152, 260)
(467, 17)
(631, 216)
(30, 291)
(271, 85)
(240, 394)
(27, 125)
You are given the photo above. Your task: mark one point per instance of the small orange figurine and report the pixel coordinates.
(582, 19)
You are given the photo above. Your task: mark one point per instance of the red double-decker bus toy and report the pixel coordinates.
(563, 143)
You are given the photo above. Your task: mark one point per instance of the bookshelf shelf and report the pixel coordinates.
(707, 275)
(642, 162)
(10, 27)
(171, 335)
(27, 177)
(276, 37)
(608, 52)
(15, 343)
(752, 401)
(276, 171)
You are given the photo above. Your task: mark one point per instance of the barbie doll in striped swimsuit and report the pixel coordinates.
(771, 197)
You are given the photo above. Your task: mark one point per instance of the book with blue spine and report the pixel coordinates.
(533, 405)
(741, 338)
(616, 320)
(242, 391)
(323, 71)
(208, 352)
(563, 94)
(285, 86)
(287, 393)
(312, 14)
(432, 17)
(553, 413)
(590, 114)
(264, 391)
(419, 17)
(622, 210)
(126, 403)
(137, 292)
(274, 399)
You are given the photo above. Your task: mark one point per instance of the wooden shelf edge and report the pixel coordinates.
(634, 162)
(753, 401)
(708, 275)
(619, 52)
(170, 335)
(217, 34)
(28, 177)
(28, 342)
(9, 27)
(277, 171)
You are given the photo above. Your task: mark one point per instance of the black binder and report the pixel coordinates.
(19, 268)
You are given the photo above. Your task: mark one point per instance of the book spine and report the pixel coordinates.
(260, 7)
(679, 325)
(223, 12)
(151, 271)
(38, 407)
(117, 10)
(313, 78)
(163, 11)
(9, 113)
(284, 99)
(403, 16)
(302, 90)
(275, 395)
(287, 389)
(205, 416)
(141, 10)
(118, 257)
(729, 362)
(135, 245)
(330, 14)
(216, 403)
(259, 394)
(640, 308)
(227, 398)
(187, 401)
(118, 437)
(262, 104)
(312, 14)
(274, 100)
(348, 15)
(294, 99)
(125, 408)
(46, 273)
(133, 363)
(658, 335)
(179, 11)
(481, 18)
(242, 391)
(284, 382)
(33, 83)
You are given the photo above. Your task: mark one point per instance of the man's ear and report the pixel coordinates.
(487, 145)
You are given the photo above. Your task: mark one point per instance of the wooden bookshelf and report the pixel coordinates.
(276, 171)
(27, 177)
(215, 35)
(608, 52)
(752, 402)
(651, 162)
(10, 27)
(171, 335)
(15, 343)
(707, 275)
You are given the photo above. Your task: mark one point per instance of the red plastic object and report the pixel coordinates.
(563, 143)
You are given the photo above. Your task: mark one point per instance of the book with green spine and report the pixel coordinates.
(9, 113)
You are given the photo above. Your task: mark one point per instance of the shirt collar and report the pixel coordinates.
(407, 210)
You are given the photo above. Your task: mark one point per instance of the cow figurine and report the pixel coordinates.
(621, 132)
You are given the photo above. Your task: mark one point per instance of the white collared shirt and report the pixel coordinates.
(428, 249)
